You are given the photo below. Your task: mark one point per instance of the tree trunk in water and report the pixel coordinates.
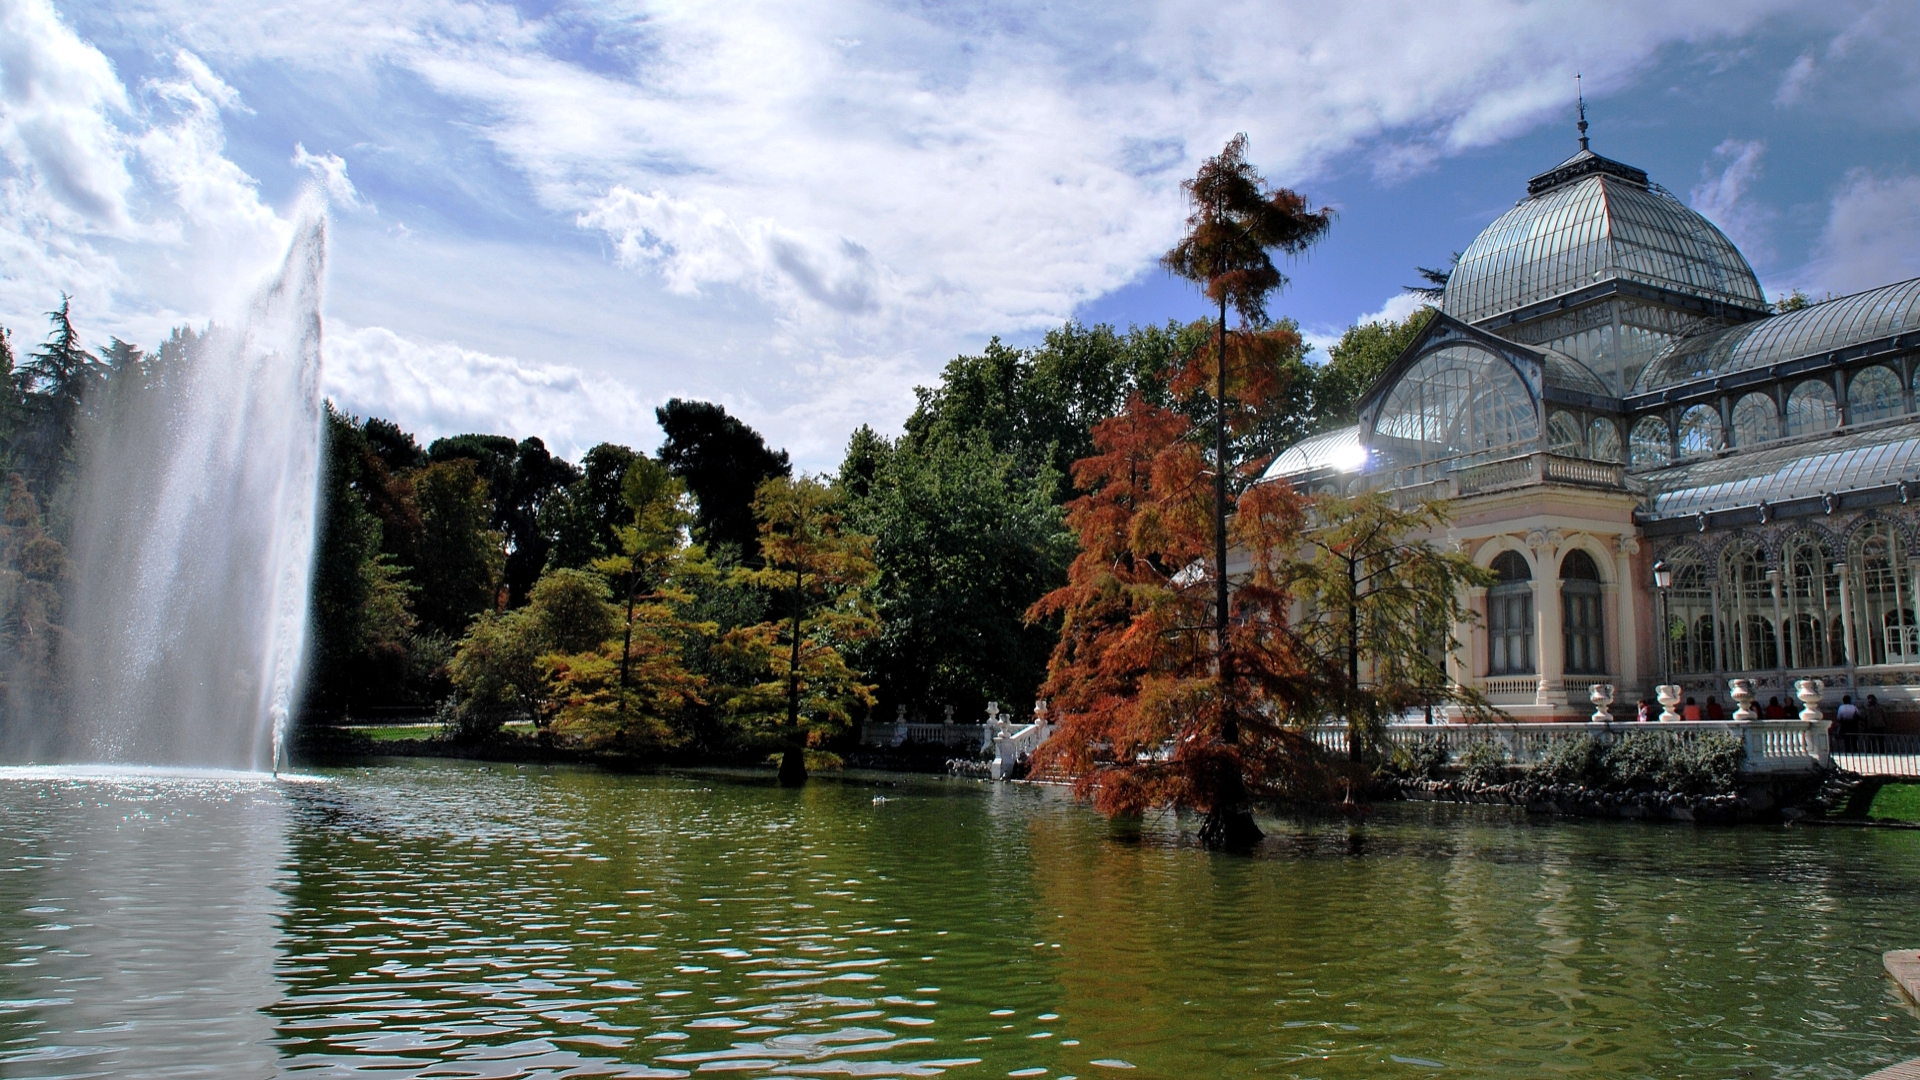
(793, 767)
(1229, 825)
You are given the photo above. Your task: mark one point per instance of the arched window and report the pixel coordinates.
(1510, 616)
(1565, 435)
(1746, 609)
(1458, 404)
(1811, 602)
(1689, 603)
(1810, 408)
(1883, 619)
(1872, 394)
(1652, 443)
(1700, 431)
(1755, 420)
(1581, 617)
(1603, 439)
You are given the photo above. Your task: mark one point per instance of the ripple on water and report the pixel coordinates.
(456, 919)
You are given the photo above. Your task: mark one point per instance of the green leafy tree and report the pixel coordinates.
(1378, 602)
(34, 569)
(586, 523)
(460, 557)
(817, 574)
(501, 669)
(964, 543)
(723, 463)
(362, 617)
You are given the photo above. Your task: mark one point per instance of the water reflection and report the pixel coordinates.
(448, 919)
(138, 920)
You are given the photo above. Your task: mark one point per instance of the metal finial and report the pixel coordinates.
(1580, 91)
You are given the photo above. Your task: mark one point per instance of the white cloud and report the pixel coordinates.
(1722, 196)
(1793, 85)
(439, 388)
(1395, 309)
(330, 172)
(58, 98)
(855, 189)
(1872, 236)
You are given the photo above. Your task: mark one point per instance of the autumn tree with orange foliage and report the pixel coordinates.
(1172, 689)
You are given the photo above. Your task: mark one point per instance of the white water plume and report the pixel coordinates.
(193, 536)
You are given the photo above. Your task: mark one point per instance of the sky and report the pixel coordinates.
(548, 218)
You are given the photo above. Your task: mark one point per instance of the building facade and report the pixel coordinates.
(1605, 392)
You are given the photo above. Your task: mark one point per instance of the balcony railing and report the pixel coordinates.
(1538, 468)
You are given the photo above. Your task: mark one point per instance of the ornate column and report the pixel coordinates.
(1626, 656)
(1846, 609)
(1779, 627)
(1550, 650)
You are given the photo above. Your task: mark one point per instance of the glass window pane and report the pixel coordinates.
(1873, 393)
(1700, 431)
(1755, 420)
(1564, 435)
(1457, 404)
(1651, 444)
(1810, 407)
(1603, 439)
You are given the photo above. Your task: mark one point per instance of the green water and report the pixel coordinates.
(460, 920)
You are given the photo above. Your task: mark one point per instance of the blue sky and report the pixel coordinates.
(549, 217)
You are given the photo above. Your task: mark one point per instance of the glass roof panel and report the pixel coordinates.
(1839, 464)
(1595, 229)
(1339, 450)
(1835, 324)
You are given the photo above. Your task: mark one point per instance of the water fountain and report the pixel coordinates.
(193, 539)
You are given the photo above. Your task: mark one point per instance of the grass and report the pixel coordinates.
(1896, 802)
(400, 732)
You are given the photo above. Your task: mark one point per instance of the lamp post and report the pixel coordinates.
(1662, 580)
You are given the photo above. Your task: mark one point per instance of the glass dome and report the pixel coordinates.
(1590, 220)
(1456, 404)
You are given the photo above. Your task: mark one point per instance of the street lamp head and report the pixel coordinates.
(1662, 574)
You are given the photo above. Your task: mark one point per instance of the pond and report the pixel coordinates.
(456, 919)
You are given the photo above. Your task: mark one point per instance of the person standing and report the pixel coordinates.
(1848, 715)
(1645, 711)
(1775, 710)
(1714, 711)
(1691, 711)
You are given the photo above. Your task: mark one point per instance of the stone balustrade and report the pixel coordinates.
(1773, 747)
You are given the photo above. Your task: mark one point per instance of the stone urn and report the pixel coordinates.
(1741, 690)
(1602, 697)
(1809, 691)
(1669, 697)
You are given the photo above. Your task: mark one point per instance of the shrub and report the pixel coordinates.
(1422, 759)
(1573, 761)
(1655, 761)
(1484, 764)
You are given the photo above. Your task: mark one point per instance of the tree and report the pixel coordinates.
(1236, 221)
(54, 383)
(631, 692)
(1157, 705)
(460, 557)
(34, 569)
(1436, 280)
(523, 480)
(818, 575)
(723, 463)
(362, 618)
(586, 522)
(501, 668)
(964, 543)
(1378, 604)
